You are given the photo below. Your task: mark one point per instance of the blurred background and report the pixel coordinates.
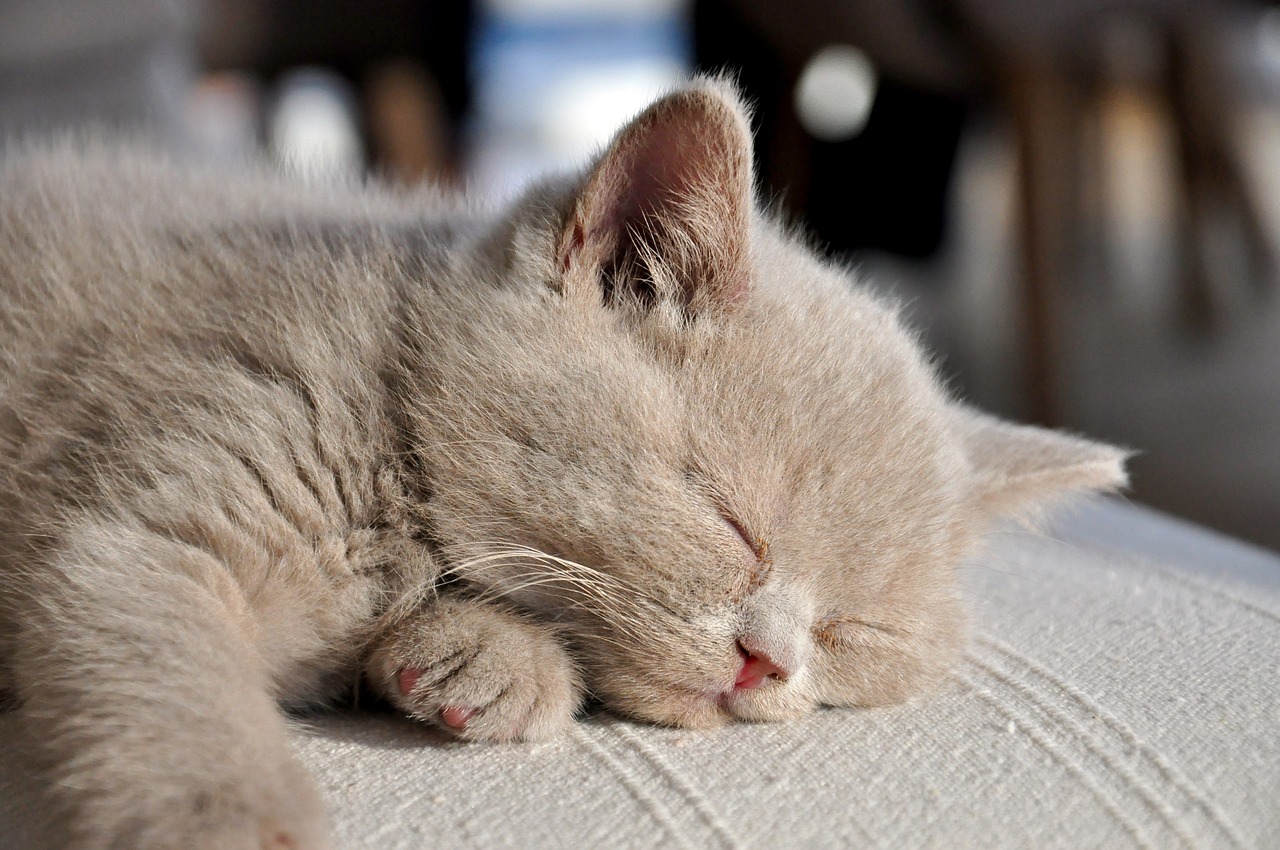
(1077, 200)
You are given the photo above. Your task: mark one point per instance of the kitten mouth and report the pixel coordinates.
(737, 692)
(728, 700)
(726, 697)
(756, 672)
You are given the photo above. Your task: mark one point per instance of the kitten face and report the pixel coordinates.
(729, 476)
(775, 480)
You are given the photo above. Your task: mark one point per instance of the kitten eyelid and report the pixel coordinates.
(834, 630)
(759, 547)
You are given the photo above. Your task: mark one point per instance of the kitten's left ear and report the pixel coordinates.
(1018, 468)
(664, 213)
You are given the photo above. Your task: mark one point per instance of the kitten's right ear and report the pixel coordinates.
(664, 213)
(1020, 468)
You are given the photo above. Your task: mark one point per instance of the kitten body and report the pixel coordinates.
(258, 440)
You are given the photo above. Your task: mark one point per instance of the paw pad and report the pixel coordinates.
(456, 717)
(408, 678)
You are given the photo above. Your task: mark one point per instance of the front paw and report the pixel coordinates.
(478, 671)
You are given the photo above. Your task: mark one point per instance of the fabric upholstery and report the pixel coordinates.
(1122, 690)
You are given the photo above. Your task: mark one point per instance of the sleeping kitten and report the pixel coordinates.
(628, 437)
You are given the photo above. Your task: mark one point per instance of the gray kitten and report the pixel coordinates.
(628, 437)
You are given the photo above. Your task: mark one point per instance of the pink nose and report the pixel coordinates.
(756, 667)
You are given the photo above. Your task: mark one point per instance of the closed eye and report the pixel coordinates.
(759, 547)
(835, 630)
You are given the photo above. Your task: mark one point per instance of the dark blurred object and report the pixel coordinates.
(410, 125)
(67, 64)
(350, 36)
(408, 59)
(885, 188)
(1039, 64)
(888, 187)
(1201, 95)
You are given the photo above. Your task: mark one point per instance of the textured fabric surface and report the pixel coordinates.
(1122, 690)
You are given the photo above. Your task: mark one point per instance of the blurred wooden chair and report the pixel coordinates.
(1038, 63)
(1047, 96)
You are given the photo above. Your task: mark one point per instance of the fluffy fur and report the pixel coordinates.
(258, 440)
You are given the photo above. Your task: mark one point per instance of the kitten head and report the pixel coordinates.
(734, 479)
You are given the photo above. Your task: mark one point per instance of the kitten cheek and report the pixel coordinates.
(665, 705)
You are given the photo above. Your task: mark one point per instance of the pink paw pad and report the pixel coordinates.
(408, 678)
(456, 717)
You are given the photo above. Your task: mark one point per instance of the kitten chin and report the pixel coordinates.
(690, 707)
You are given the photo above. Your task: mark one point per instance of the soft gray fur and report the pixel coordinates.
(258, 440)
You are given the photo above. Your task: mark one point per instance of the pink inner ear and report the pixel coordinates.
(657, 172)
(678, 177)
(573, 242)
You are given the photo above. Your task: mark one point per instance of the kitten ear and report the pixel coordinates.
(1018, 468)
(664, 213)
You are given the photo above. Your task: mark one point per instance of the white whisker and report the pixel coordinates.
(503, 569)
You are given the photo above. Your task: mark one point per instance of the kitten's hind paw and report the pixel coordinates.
(478, 671)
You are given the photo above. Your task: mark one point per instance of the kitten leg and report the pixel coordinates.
(148, 705)
(477, 670)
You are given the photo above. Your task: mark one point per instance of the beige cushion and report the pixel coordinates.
(1122, 691)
